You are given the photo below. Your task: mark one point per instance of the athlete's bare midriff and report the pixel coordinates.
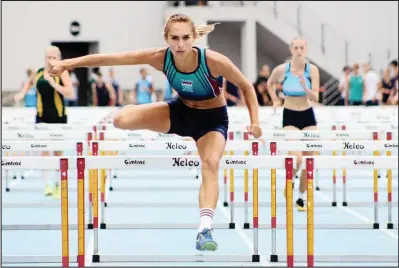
(297, 103)
(216, 102)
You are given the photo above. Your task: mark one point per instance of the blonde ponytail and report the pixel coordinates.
(204, 29)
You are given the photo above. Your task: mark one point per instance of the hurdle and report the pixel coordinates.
(169, 146)
(64, 164)
(39, 146)
(310, 164)
(184, 162)
(344, 146)
(38, 142)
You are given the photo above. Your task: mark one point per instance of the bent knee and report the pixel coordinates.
(120, 120)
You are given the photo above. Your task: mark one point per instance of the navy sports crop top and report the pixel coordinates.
(197, 85)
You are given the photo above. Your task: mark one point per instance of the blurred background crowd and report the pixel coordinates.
(360, 83)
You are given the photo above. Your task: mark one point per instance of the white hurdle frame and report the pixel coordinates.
(372, 146)
(185, 162)
(48, 163)
(170, 145)
(312, 163)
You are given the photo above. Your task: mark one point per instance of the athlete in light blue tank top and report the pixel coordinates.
(144, 90)
(291, 84)
(197, 85)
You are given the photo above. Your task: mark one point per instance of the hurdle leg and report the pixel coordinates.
(96, 256)
(310, 212)
(110, 177)
(344, 193)
(317, 178)
(290, 214)
(81, 212)
(64, 212)
(90, 221)
(103, 203)
(255, 208)
(376, 225)
(6, 181)
(246, 221)
(232, 224)
(334, 202)
(273, 255)
(7, 177)
(390, 224)
(225, 204)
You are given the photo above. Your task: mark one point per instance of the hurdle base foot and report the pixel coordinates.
(334, 204)
(246, 225)
(7, 189)
(225, 204)
(111, 188)
(103, 226)
(105, 204)
(96, 258)
(344, 204)
(255, 258)
(115, 176)
(390, 226)
(232, 225)
(196, 176)
(273, 258)
(90, 226)
(317, 188)
(15, 177)
(22, 177)
(376, 225)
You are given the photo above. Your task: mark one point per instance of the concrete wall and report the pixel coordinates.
(29, 27)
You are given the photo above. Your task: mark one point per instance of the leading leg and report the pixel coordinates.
(152, 116)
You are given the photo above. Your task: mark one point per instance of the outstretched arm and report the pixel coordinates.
(152, 56)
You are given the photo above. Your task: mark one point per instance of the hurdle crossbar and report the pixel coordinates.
(334, 145)
(176, 145)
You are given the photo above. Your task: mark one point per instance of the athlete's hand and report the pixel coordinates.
(56, 67)
(19, 96)
(255, 130)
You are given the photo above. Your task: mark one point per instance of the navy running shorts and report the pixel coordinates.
(195, 123)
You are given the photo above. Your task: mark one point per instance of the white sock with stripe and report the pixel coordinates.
(206, 217)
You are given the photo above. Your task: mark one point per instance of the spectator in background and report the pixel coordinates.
(371, 80)
(30, 97)
(75, 84)
(169, 92)
(355, 87)
(232, 93)
(386, 86)
(103, 93)
(393, 66)
(343, 86)
(260, 86)
(116, 86)
(143, 90)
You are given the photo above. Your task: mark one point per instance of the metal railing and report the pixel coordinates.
(331, 42)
